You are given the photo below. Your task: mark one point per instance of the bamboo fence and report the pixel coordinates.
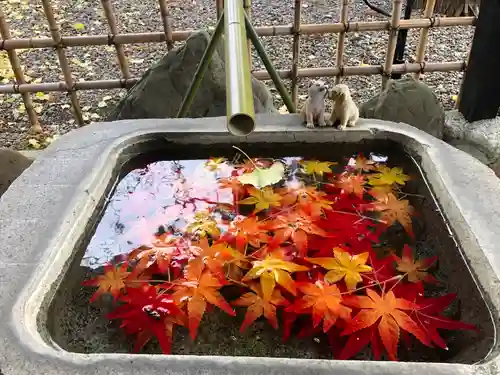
(168, 36)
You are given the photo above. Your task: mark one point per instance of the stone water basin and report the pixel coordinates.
(60, 200)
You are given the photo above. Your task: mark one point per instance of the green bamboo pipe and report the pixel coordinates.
(239, 95)
(254, 37)
(200, 70)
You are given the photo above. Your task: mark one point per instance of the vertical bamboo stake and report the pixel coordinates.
(18, 73)
(247, 5)
(296, 51)
(424, 33)
(459, 96)
(344, 12)
(63, 61)
(391, 45)
(110, 17)
(166, 24)
(219, 5)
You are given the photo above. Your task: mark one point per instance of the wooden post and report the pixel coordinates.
(480, 99)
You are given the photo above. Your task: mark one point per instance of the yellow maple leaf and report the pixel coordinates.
(213, 164)
(263, 199)
(316, 166)
(344, 266)
(388, 176)
(273, 270)
(203, 225)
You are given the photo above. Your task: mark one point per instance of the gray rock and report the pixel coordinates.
(160, 91)
(480, 139)
(12, 164)
(409, 101)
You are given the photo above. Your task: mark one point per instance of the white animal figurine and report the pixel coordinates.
(344, 108)
(314, 107)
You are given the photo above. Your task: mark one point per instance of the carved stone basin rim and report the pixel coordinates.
(45, 211)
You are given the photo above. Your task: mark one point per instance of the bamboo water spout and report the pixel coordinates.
(239, 94)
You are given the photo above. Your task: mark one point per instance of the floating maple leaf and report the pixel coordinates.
(273, 270)
(301, 194)
(258, 306)
(237, 188)
(428, 314)
(388, 176)
(325, 301)
(312, 167)
(388, 312)
(217, 255)
(344, 266)
(351, 184)
(363, 164)
(161, 254)
(213, 164)
(199, 287)
(146, 314)
(204, 225)
(393, 210)
(262, 199)
(414, 269)
(248, 231)
(294, 227)
(112, 281)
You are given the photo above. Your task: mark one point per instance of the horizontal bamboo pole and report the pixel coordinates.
(307, 29)
(260, 74)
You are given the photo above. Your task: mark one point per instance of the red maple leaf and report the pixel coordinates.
(112, 281)
(428, 313)
(388, 312)
(147, 313)
(198, 288)
(293, 227)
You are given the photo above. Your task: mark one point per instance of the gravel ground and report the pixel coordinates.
(26, 19)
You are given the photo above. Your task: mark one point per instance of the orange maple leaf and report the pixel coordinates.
(199, 287)
(325, 301)
(364, 164)
(234, 184)
(352, 184)
(393, 210)
(387, 311)
(294, 227)
(215, 256)
(344, 266)
(414, 269)
(263, 199)
(299, 194)
(112, 281)
(273, 270)
(248, 230)
(258, 306)
(161, 253)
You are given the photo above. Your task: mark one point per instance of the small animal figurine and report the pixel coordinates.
(344, 108)
(314, 107)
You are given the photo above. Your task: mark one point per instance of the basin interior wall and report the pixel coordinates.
(75, 326)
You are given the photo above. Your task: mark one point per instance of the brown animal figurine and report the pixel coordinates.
(314, 107)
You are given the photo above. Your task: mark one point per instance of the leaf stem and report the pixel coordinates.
(249, 158)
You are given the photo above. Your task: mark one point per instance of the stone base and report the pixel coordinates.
(480, 139)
